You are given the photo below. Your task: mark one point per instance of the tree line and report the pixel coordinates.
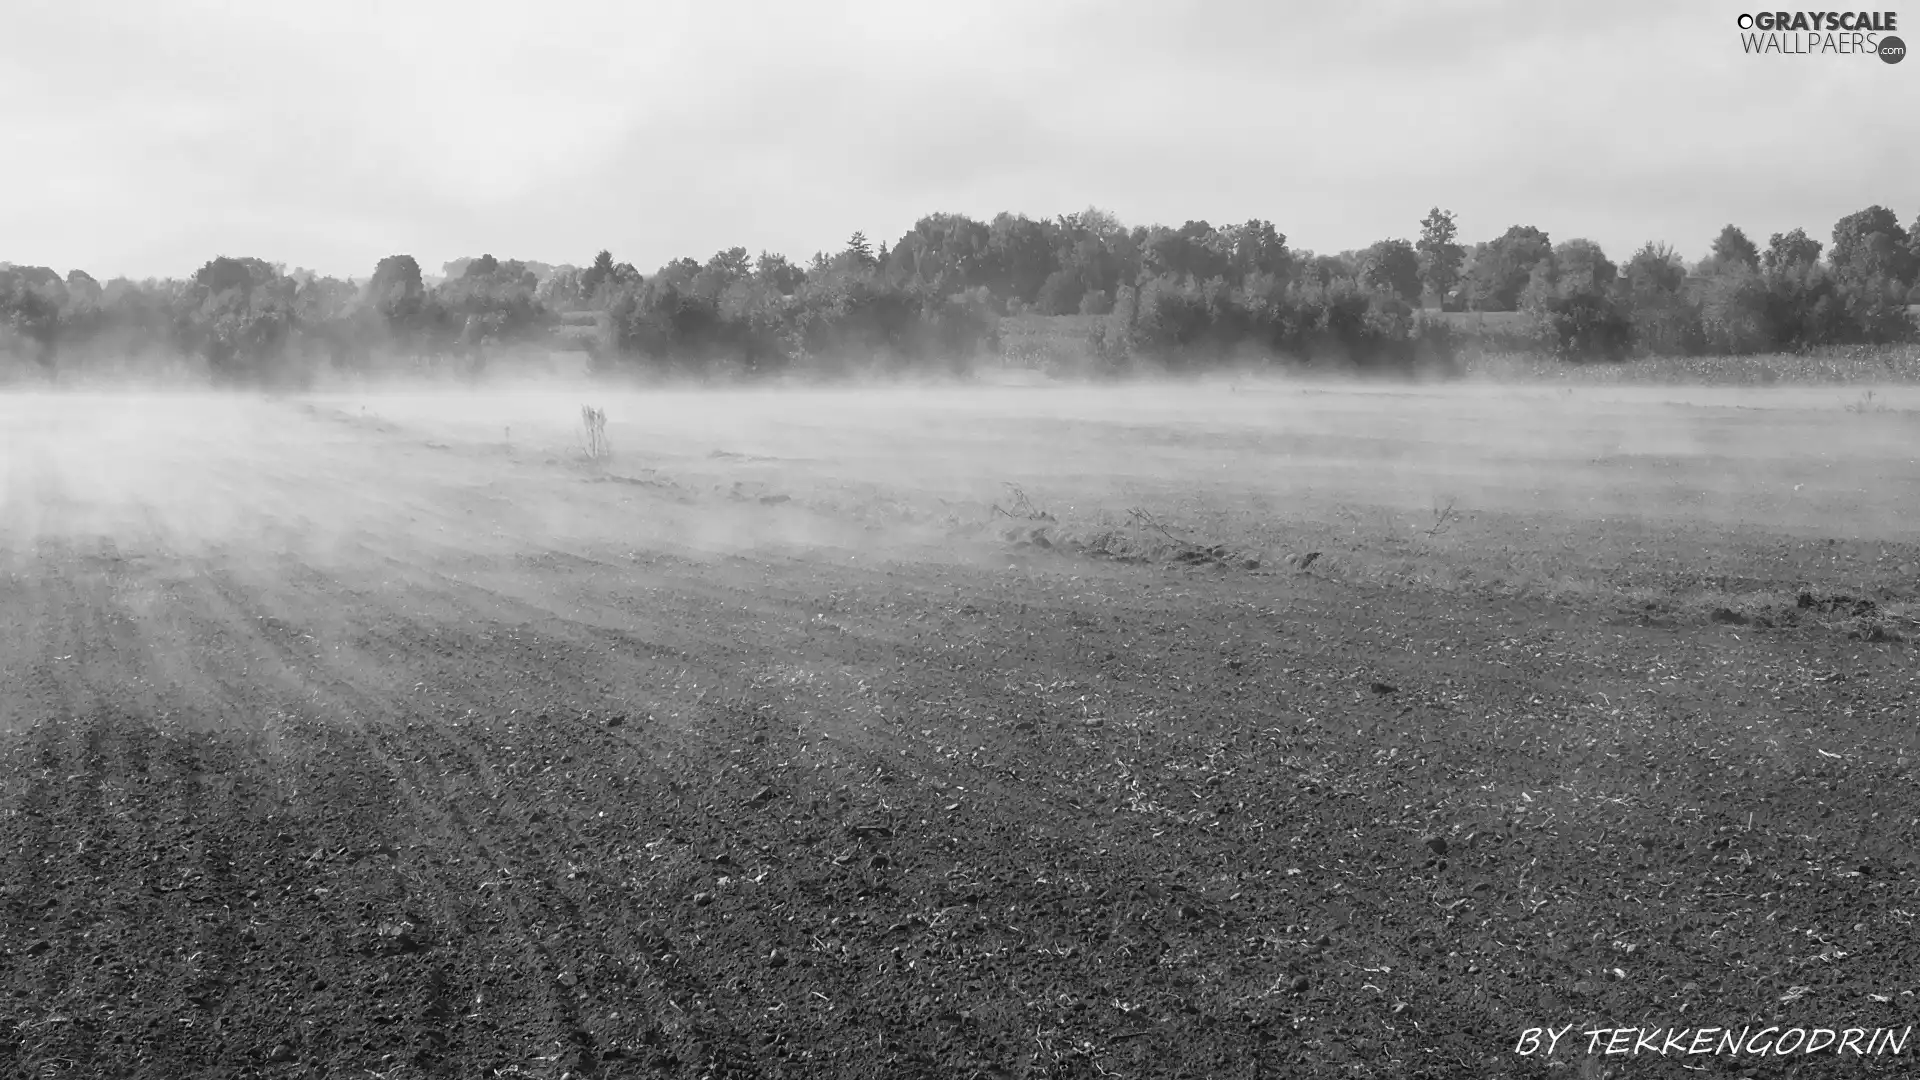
(1178, 297)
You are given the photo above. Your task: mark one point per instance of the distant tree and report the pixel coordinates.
(1805, 305)
(1060, 294)
(490, 302)
(29, 310)
(80, 306)
(41, 279)
(1019, 257)
(396, 290)
(224, 274)
(560, 290)
(859, 252)
(1870, 245)
(1086, 265)
(734, 262)
(1913, 244)
(1580, 266)
(242, 315)
(597, 274)
(1195, 250)
(679, 273)
(945, 253)
(1259, 248)
(82, 288)
(1502, 267)
(517, 272)
(396, 296)
(1786, 251)
(722, 271)
(1732, 248)
(1580, 325)
(1543, 284)
(1653, 287)
(1655, 268)
(1460, 297)
(1733, 303)
(1392, 266)
(776, 273)
(329, 321)
(1440, 256)
(1103, 225)
(1324, 270)
(1163, 254)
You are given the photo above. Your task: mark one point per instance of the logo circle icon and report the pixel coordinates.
(1892, 50)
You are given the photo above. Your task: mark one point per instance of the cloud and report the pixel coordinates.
(154, 136)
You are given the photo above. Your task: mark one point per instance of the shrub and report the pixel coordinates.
(1734, 317)
(1583, 326)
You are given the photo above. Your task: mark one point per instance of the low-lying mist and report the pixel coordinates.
(501, 467)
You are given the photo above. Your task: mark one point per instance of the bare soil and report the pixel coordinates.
(439, 758)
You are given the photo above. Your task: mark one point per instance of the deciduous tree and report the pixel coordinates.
(1786, 251)
(1580, 266)
(1503, 266)
(1732, 248)
(1871, 244)
(1393, 266)
(1440, 256)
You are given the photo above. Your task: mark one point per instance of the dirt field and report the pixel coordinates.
(1211, 732)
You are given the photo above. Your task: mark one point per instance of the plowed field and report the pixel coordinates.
(998, 733)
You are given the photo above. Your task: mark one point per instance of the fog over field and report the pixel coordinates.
(305, 472)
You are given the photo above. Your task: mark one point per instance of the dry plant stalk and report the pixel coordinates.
(1023, 507)
(594, 421)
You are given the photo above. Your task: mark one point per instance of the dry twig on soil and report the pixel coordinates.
(1023, 507)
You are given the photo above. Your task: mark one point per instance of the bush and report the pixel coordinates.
(1436, 344)
(1734, 318)
(1171, 321)
(1580, 327)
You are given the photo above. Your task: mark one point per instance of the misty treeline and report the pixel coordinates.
(1740, 299)
(1175, 297)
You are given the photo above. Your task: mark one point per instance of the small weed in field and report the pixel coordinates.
(1385, 523)
(1142, 519)
(1868, 403)
(593, 423)
(1443, 518)
(1019, 506)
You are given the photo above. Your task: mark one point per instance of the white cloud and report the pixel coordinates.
(146, 137)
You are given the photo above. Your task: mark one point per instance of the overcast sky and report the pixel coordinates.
(142, 137)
